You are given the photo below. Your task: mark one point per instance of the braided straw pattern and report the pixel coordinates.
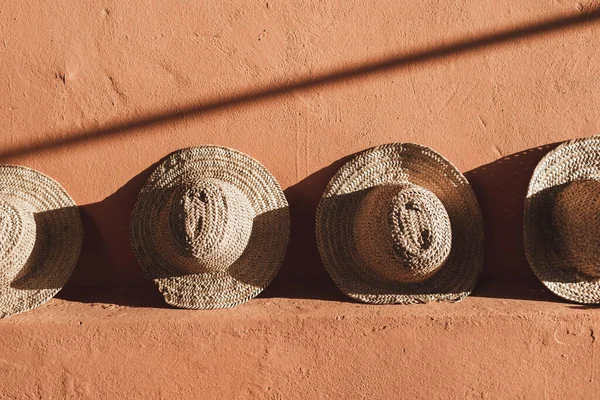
(210, 227)
(40, 238)
(400, 224)
(562, 218)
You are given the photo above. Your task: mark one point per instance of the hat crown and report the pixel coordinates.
(210, 222)
(575, 221)
(408, 235)
(17, 237)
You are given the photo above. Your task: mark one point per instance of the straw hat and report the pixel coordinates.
(400, 224)
(210, 227)
(40, 238)
(562, 219)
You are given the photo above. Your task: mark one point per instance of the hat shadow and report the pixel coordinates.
(108, 271)
(561, 239)
(302, 274)
(43, 269)
(501, 189)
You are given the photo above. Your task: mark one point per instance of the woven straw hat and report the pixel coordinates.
(210, 227)
(40, 238)
(562, 219)
(400, 224)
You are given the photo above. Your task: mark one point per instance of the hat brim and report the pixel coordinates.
(393, 164)
(575, 160)
(263, 255)
(59, 236)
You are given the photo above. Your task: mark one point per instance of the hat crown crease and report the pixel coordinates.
(197, 220)
(420, 231)
(17, 238)
(210, 223)
(410, 233)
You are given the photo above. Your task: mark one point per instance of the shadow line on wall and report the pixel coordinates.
(345, 75)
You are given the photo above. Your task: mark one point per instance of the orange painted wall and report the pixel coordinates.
(94, 93)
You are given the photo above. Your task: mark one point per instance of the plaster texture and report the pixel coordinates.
(96, 92)
(282, 348)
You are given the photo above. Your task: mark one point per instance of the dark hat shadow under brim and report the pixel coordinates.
(576, 161)
(59, 237)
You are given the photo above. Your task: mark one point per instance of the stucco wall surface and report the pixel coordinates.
(94, 93)
(275, 348)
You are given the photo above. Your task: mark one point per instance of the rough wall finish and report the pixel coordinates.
(285, 348)
(95, 92)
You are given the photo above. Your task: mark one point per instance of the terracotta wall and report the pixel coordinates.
(94, 93)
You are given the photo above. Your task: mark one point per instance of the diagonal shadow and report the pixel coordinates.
(346, 74)
(107, 271)
(501, 188)
(302, 273)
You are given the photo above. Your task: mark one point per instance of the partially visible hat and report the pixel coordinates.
(210, 227)
(40, 238)
(562, 220)
(400, 224)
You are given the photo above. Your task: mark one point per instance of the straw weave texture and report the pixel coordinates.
(400, 224)
(210, 227)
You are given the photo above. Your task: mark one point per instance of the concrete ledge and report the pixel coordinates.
(281, 348)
